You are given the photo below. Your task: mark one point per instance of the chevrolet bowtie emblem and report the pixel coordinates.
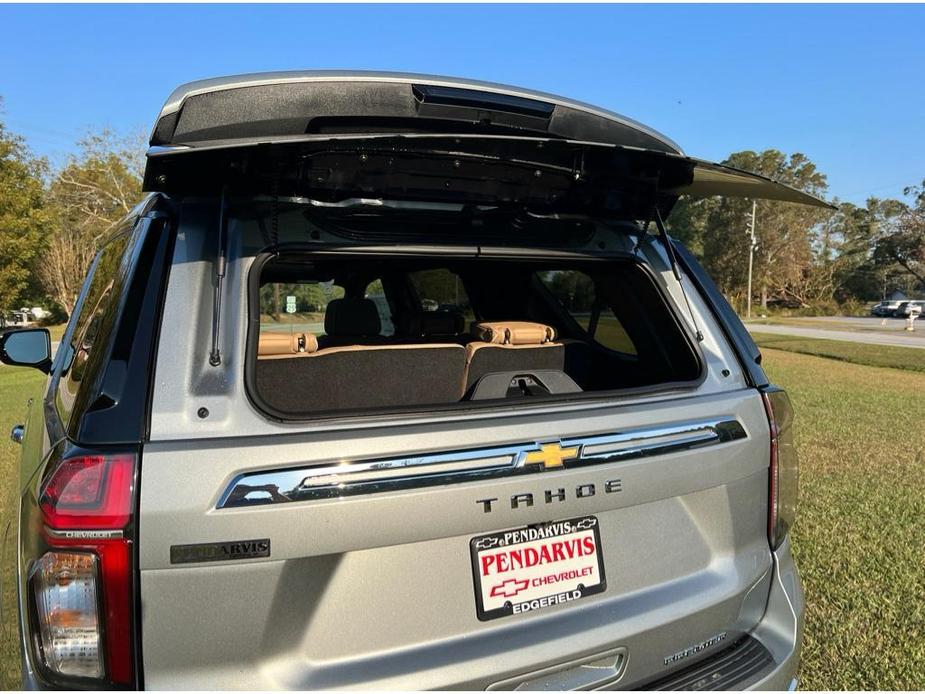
(551, 455)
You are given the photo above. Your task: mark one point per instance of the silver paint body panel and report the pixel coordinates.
(375, 590)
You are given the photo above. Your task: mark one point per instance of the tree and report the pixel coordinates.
(904, 244)
(89, 196)
(855, 232)
(575, 289)
(23, 218)
(688, 222)
(786, 233)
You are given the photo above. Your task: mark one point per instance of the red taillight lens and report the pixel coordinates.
(87, 504)
(91, 491)
(784, 471)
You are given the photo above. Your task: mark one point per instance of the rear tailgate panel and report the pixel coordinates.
(377, 589)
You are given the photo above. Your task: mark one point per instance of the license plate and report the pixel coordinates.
(539, 566)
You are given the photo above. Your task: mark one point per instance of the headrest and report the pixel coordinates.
(513, 333)
(352, 318)
(271, 343)
(431, 323)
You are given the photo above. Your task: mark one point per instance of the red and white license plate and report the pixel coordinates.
(535, 567)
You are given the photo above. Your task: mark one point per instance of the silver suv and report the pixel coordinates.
(396, 381)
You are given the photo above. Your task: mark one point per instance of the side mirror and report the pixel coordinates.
(30, 347)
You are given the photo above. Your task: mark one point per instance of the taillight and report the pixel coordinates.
(784, 471)
(82, 586)
(67, 605)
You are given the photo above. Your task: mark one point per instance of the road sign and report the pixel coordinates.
(290, 304)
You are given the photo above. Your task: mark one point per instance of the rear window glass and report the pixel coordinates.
(94, 323)
(576, 293)
(356, 334)
(441, 290)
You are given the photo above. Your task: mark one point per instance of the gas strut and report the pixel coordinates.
(215, 356)
(673, 261)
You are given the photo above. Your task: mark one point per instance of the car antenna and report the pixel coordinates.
(673, 261)
(215, 356)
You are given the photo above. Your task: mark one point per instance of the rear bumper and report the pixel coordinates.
(780, 633)
(781, 628)
(766, 658)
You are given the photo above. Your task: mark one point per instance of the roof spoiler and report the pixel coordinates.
(277, 104)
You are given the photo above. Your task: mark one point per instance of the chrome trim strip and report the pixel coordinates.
(347, 478)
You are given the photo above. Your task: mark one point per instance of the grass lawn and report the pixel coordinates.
(860, 533)
(17, 385)
(57, 331)
(904, 358)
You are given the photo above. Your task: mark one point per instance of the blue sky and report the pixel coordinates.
(842, 84)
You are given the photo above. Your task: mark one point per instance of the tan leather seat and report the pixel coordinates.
(511, 346)
(275, 345)
(351, 321)
(357, 377)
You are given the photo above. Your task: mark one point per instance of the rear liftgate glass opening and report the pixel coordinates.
(332, 334)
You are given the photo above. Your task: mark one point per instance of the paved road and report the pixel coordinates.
(886, 325)
(896, 337)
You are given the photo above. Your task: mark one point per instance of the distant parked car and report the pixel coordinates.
(18, 318)
(885, 308)
(907, 308)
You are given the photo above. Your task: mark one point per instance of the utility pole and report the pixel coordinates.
(751, 260)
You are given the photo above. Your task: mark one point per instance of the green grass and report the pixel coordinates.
(17, 385)
(902, 358)
(859, 538)
(57, 331)
(610, 333)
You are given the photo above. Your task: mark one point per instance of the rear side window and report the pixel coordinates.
(302, 307)
(440, 290)
(296, 305)
(576, 293)
(94, 323)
